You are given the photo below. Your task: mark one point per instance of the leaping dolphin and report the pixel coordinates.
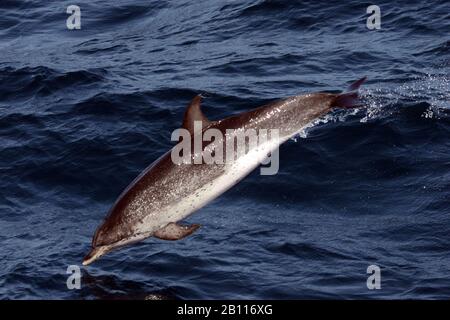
(166, 193)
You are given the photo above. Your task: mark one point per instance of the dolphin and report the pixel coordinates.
(165, 193)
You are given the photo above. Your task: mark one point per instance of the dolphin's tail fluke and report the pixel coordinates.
(349, 99)
(355, 85)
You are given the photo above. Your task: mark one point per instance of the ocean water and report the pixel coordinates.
(83, 112)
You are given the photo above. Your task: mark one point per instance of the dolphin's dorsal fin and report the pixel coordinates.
(194, 113)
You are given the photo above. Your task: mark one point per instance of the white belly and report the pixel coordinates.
(233, 173)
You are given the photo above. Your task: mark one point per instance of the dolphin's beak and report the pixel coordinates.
(94, 254)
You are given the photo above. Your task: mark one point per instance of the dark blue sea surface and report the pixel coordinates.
(83, 112)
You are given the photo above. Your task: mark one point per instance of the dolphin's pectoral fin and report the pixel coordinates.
(174, 231)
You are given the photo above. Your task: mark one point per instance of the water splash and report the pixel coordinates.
(431, 88)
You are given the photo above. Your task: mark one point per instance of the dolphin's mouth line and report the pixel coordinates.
(98, 251)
